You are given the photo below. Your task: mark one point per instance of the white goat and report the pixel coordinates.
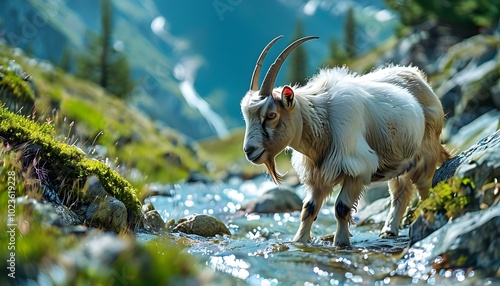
(350, 130)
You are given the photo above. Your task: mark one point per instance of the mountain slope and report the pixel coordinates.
(103, 126)
(214, 45)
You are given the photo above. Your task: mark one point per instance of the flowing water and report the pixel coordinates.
(260, 251)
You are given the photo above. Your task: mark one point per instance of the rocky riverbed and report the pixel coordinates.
(259, 250)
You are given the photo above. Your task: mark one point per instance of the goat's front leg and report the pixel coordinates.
(347, 199)
(310, 210)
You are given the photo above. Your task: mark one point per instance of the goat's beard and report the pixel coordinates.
(270, 164)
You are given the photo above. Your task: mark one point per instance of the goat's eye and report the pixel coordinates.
(271, 115)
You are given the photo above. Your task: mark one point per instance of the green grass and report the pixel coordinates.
(130, 137)
(83, 112)
(41, 248)
(66, 163)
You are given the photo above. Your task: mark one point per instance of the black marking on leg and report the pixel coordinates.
(310, 208)
(341, 209)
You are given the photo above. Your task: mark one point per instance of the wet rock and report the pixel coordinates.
(152, 218)
(375, 212)
(274, 201)
(472, 240)
(108, 214)
(470, 187)
(467, 159)
(202, 225)
(473, 132)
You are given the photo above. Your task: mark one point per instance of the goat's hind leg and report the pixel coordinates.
(347, 199)
(401, 190)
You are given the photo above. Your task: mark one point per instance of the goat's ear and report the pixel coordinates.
(287, 95)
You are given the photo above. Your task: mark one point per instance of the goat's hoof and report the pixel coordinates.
(387, 234)
(341, 245)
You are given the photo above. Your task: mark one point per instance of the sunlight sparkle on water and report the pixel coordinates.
(251, 217)
(231, 265)
(231, 207)
(234, 195)
(208, 211)
(189, 203)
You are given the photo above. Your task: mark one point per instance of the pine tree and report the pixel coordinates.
(297, 71)
(106, 41)
(65, 62)
(350, 45)
(106, 66)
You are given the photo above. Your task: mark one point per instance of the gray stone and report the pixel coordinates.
(472, 240)
(274, 201)
(69, 217)
(49, 213)
(153, 220)
(481, 164)
(110, 213)
(93, 189)
(202, 225)
(376, 212)
(447, 170)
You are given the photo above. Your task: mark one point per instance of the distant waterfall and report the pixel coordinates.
(185, 73)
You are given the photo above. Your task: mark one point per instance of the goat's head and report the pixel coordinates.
(269, 113)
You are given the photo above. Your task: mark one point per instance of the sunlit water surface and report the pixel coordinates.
(260, 251)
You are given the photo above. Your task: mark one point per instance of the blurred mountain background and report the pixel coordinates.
(154, 87)
(190, 61)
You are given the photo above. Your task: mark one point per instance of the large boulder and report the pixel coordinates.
(470, 241)
(459, 223)
(462, 187)
(480, 155)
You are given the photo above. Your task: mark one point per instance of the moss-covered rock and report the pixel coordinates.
(464, 183)
(458, 224)
(48, 249)
(66, 167)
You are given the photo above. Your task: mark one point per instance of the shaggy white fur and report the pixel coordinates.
(351, 130)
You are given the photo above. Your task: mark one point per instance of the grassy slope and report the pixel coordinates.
(128, 136)
(66, 163)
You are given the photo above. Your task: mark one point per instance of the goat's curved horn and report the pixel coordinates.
(272, 73)
(254, 84)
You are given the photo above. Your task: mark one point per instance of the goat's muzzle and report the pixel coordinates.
(253, 153)
(258, 157)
